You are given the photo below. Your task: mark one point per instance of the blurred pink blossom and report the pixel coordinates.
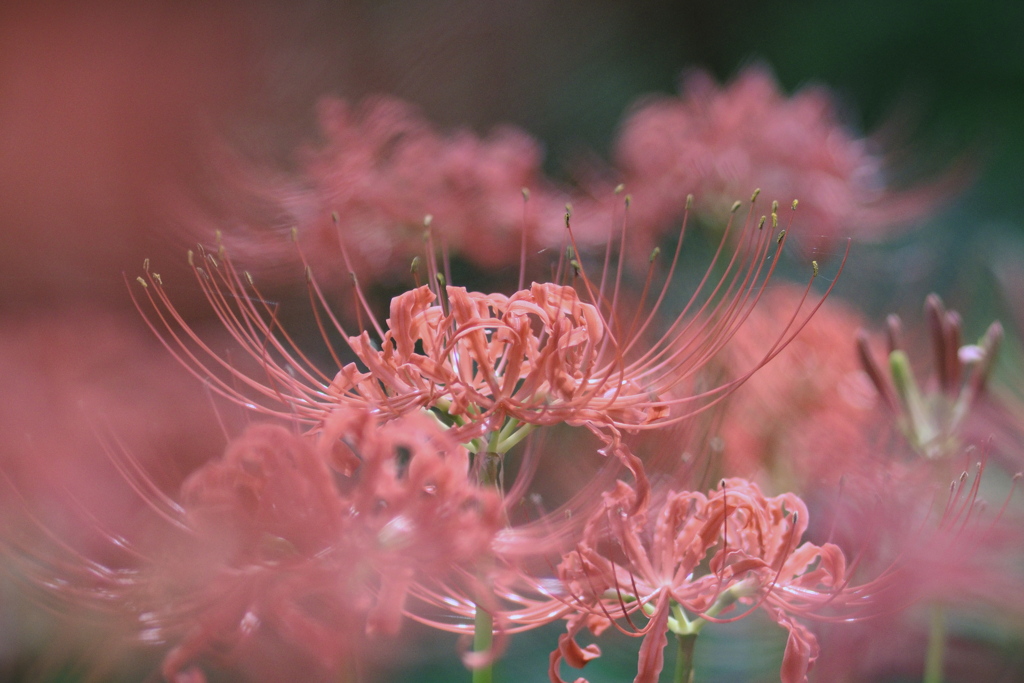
(720, 143)
(810, 417)
(381, 171)
(308, 545)
(82, 386)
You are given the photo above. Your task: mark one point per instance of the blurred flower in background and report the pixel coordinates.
(717, 142)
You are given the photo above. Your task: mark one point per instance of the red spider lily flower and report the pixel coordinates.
(384, 169)
(810, 417)
(381, 169)
(701, 558)
(494, 366)
(716, 141)
(933, 420)
(959, 557)
(271, 544)
(974, 549)
(530, 357)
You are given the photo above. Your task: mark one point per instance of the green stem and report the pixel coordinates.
(507, 442)
(483, 641)
(936, 645)
(684, 658)
(488, 474)
(919, 427)
(726, 599)
(509, 427)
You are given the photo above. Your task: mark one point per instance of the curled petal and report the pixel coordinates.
(569, 650)
(801, 651)
(830, 572)
(576, 656)
(652, 650)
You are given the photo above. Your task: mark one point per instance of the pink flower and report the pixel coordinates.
(941, 547)
(720, 142)
(494, 367)
(534, 357)
(548, 353)
(810, 417)
(933, 417)
(699, 558)
(383, 168)
(315, 544)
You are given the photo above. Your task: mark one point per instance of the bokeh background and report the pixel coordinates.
(109, 112)
(110, 106)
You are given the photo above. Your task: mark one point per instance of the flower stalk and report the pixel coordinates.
(936, 644)
(483, 641)
(684, 657)
(489, 476)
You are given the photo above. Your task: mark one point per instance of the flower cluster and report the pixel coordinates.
(490, 369)
(717, 141)
(495, 367)
(807, 417)
(382, 171)
(698, 558)
(313, 542)
(483, 463)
